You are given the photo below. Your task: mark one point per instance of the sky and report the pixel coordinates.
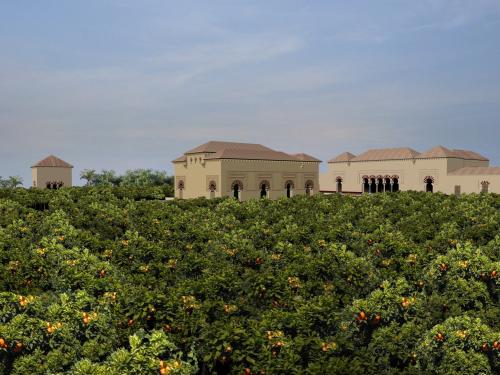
(122, 84)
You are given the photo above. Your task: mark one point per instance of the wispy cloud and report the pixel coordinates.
(451, 14)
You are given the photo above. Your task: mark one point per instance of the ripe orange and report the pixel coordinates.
(18, 347)
(361, 316)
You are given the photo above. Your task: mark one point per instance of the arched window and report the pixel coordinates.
(380, 184)
(429, 184)
(212, 187)
(339, 184)
(485, 186)
(387, 184)
(237, 187)
(264, 189)
(60, 184)
(289, 186)
(309, 187)
(181, 186)
(395, 183)
(373, 184)
(366, 184)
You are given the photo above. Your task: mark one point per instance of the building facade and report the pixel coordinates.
(52, 173)
(439, 169)
(244, 171)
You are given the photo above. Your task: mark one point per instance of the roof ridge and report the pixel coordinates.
(52, 161)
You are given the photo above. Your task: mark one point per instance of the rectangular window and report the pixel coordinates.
(457, 190)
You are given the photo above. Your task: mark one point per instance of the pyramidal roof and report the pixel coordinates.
(245, 151)
(342, 158)
(52, 161)
(443, 152)
(305, 157)
(215, 146)
(387, 154)
(437, 152)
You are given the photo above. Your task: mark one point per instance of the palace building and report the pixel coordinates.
(383, 170)
(51, 173)
(244, 171)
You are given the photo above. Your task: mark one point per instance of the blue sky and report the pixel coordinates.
(122, 84)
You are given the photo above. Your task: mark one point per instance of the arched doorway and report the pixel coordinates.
(289, 188)
(380, 184)
(264, 189)
(366, 184)
(395, 183)
(237, 187)
(485, 186)
(373, 185)
(387, 184)
(309, 188)
(180, 187)
(429, 184)
(339, 184)
(212, 187)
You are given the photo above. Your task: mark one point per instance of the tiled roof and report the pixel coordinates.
(306, 157)
(443, 152)
(342, 158)
(476, 171)
(180, 159)
(52, 161)
(244, 151)
(214, 146)
(387, 154)
(470, 155)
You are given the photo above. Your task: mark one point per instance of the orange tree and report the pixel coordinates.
(117, 280)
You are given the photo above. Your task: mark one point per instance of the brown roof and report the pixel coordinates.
(470, 155)
(306, 157)
(180, 159)
(342, 158)
(476, 171)
(214, 146)
(443, 152)
(248, 151)
(387, 154)
(52, 161)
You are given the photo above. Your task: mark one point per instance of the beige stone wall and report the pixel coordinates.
(252, 173)
(42, 175)
(473, 184)
(454, 164)
(197, 175)
(411, 173)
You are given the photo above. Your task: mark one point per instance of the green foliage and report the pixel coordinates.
(115, 280)
(135, 177)
(11, 182)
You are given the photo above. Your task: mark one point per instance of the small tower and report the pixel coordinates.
(51, 173)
